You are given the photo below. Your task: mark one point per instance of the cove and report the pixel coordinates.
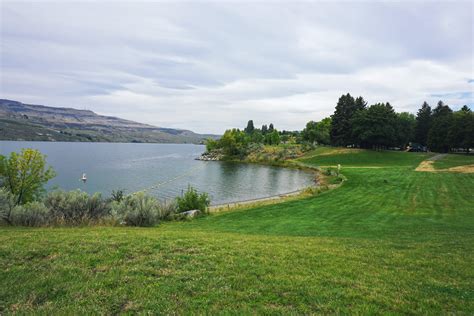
(164, 170)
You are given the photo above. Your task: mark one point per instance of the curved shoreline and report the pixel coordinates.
(289, 164)
(232, 205)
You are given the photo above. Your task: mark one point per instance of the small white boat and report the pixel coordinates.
(84, 178)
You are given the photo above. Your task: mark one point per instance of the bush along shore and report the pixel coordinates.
(76, 208)
(24, 202)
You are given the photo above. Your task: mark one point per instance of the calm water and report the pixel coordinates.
(164, 169)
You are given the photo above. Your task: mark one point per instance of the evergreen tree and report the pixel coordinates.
(441, 110)
(264, 129)
(270, 128)
(461, 132)
(423, 124)
(360, 103)
(438, 137)
(405, 128)
(250, 128)
(376, 126)
(341, 129)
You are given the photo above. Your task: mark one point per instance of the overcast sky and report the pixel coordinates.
(208, 66)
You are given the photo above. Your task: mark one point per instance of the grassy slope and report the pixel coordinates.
(390, 240)
(357, 158)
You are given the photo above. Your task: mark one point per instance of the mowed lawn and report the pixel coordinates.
(389, 240)
(454, 161)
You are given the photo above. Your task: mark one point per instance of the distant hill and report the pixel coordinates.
(20, 121)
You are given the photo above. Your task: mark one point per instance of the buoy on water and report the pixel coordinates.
(84, 178)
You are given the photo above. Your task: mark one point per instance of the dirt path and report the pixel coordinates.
(427, 166)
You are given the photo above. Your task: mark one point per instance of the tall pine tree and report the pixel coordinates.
(360, 104)
(438, 136)
(376, 127)
(423, 124)
(250, 128)
(341, 129)
(461, 132)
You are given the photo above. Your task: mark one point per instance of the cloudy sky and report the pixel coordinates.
(208, 66)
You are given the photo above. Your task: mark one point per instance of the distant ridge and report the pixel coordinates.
(21, 121)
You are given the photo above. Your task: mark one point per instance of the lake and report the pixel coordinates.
(164, 170)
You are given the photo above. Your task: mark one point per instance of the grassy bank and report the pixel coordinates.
(390, 240)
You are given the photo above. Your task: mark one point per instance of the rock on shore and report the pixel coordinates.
(210, 156)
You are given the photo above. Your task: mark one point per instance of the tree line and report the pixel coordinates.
(356, 124)
(378, 126)
(235, 142)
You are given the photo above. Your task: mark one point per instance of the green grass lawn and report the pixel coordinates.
(325, 156)
(389, 240)
(453, 160)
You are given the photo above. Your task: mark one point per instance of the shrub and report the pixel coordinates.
(75, 207)
(7, 203)
(117, 195)
(312, 190)
(329, 172)
(168, 210)
(31, 214)
(192, 200)
(138, 209)
(97, 206)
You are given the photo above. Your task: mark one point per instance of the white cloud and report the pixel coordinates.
(208, 66)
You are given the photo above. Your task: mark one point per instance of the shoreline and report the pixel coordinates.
(231, 205)
(319, 185)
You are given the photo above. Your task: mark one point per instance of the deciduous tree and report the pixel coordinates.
(24, 174)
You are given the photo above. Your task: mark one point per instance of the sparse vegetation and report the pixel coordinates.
(21, 121)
